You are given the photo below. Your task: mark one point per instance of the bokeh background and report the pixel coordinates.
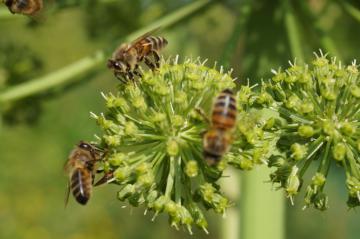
(37, 132)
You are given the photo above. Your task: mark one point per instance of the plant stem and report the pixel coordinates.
(68, 73)
(292, 31)
(262, 210)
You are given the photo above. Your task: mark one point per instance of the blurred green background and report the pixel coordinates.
(37, 132)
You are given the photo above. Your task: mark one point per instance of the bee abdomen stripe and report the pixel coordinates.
(232, 105)
(224, 113)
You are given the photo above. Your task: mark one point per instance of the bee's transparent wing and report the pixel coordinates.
(67, 194)
(145, 35)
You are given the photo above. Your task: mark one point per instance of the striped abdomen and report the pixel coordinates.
(216, 143)
(224, 111)
(152, 43)
(81, 185)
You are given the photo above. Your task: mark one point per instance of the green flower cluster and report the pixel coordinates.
(153, 137)
(153, 140)
(319, 112)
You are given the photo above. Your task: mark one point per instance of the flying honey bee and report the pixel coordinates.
(217, 140)
(26, 7)
(127, 57)
(81, 170)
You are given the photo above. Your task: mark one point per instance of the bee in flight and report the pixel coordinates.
(127, 57)
(81, 170)
(217, 140)
(26, 7)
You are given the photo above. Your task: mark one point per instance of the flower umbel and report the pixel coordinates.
(152, 135)
(319, 107)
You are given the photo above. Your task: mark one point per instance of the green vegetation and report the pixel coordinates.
(52, 73)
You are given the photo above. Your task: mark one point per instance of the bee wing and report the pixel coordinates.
(67, 193)
(140, 38)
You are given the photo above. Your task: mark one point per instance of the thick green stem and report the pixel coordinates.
(262, 209)
(68, 73)
(292, 31)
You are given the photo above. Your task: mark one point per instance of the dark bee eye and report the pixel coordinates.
(8, 3)
(84, 145)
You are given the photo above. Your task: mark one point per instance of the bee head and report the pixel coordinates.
(116, 65)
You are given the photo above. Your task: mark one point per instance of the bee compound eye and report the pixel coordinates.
(8, 3)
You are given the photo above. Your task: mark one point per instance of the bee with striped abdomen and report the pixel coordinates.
(126, 59)
(26, 7)
(81, 170)
(217, 140)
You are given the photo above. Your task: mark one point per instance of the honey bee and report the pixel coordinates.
(217, 140)
(26, 7)
(127, 57)
(81, 170)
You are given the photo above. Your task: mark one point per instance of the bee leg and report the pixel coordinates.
(121, 77)
(202, 114)
(105, 179)
(137, 72)
(150, 64)
(157, 58)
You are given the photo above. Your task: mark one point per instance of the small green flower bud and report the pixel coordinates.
(293, 102)
(246, 164)
(172, 147)
(180, 98)
(199, 218)
(160, 203)
(279, 77)
(269, 124)
(306, 107)
(329, 128)
(320, 62)
(170, 208)
(353, 186)
(264, 98)
(177, 120)
(139, 103)
(339, 151)
(126, 192)
(151, 197)
(328, 94)
(112, 140)
(207, 192)
(298, 151)
(318, 179)
(293, 182)
(121, 174)
(130, 128)
(143, 168)
(305, 78)
(117, 159)
(306, 131)
(355, 91)
(352, 69)
(348, 128)
(291, 79)
(158, 117)
(146, 180)
(191, 168)
(161, 89)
